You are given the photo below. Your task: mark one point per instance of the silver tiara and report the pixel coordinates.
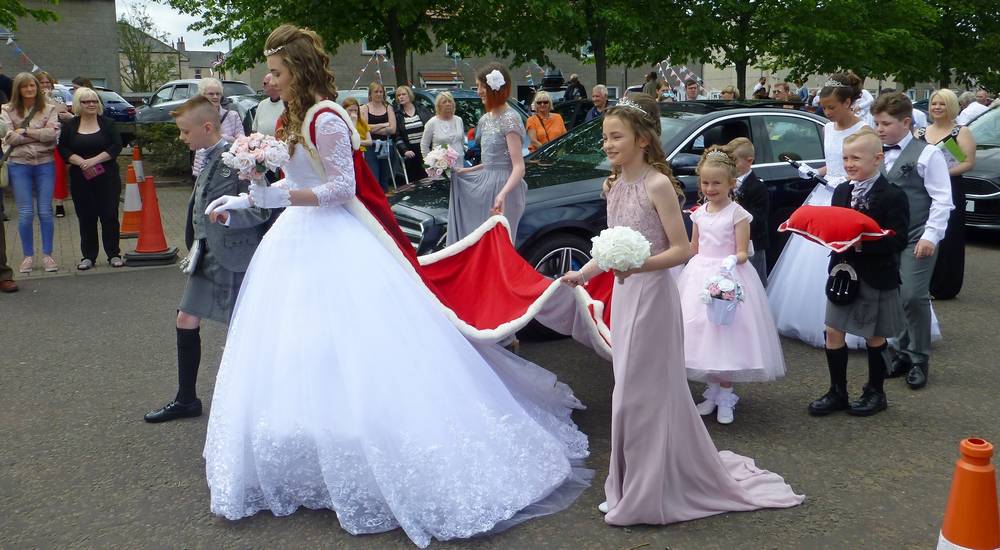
(629, 104)
(835, 84)
(273, 50)
(718, 156)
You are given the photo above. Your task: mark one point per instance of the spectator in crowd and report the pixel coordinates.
(802, 91)
(353, 109)
(691, 90)
(7, 283)
(31, 165)
(543, 126)
(445, 128)
(780, 91)
(574, 90)
(760, 93)
(649, 87)
(232, 125)
(90, 143)
(80, 82)
(729, 93)
(599, 96)
(381, 120)
(269, 109)
(6, 85)
(61, 191)
(982, 96)
(411, 119)
(760, 85)
(970, 108)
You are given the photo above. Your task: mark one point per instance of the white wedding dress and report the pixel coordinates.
(343, 386)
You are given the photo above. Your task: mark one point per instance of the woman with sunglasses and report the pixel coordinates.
(91, 143)
(543, 126)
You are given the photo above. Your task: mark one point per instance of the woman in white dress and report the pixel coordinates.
(432, 434)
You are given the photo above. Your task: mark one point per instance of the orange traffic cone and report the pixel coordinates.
(137, 163)
(152, 246)
(132, 214)
(971, 519)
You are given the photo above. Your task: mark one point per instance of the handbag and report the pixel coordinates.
(94, 171)
(843, 285)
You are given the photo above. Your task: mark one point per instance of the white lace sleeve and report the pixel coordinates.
(333, 141)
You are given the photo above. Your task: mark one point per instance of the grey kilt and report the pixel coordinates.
(211, 290)
(873, 313)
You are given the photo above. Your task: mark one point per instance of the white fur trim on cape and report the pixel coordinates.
(327, 104)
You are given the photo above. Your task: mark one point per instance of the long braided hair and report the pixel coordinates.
(643, 117)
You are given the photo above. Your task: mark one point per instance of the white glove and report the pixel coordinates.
(228, 202)
(806, 172)
(729, 262)
(270, 196)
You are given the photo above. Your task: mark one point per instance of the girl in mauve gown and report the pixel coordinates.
(747, 349)
(664, 467)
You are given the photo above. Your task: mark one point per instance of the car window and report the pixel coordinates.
(180, 92)
(236, 88)
(792, 137)
(426, 103)
(986, 128)
(110, 97)
(720, 133)
(580, 147)
(162, 95)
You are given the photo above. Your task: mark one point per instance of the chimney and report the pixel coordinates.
(180, 44)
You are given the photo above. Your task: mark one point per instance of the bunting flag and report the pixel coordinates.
(363, 69)
(23, 56)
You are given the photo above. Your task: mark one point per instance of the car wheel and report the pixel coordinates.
(553, 256)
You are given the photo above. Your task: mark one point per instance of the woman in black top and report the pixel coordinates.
(91, 143)
(381, 121)
(410, 121)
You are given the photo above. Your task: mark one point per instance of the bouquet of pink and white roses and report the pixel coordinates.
(254, 155)
(722, 293)
(441, 160)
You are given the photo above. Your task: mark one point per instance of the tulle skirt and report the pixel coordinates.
(796, 287)
(342, 386)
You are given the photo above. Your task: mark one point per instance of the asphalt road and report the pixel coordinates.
(85, 355)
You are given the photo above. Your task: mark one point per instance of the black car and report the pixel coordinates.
(170, 96)
(573, 112)
(565, 208)
(982, 183)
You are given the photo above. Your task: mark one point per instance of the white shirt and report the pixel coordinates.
(919, 119)
(934, 169)
(739, 180)
(266, 119)
(833, 150)
(969, 113)
(757, 86)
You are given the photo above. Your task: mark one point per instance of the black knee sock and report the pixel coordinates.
(188, 360)
(876, 367)
(836, 361)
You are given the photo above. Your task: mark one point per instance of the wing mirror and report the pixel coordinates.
(684, 164)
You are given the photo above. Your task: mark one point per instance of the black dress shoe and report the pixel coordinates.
(899, 366)
(60, 211)
(173, 411)
(918, 376)
(834, 400)
(870, 402)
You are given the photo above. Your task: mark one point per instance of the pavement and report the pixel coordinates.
(85, 355)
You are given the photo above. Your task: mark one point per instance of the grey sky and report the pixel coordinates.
(174, 24)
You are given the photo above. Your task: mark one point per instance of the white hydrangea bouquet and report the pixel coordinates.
(722, 294)
(254, 155)
(620, 248)
(441, 160)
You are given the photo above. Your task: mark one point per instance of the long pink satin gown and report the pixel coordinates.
(664, 466)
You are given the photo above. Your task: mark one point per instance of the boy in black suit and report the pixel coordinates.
(752, 195)
(877, 310)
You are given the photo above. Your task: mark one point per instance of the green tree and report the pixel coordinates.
(963, 45)
(402, 26)
(146, 61)
(12, 10)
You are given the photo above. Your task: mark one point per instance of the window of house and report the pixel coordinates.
(197, 73)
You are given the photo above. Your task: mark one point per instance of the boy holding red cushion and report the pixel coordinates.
(876, 310)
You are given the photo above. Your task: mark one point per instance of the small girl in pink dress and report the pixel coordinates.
(747, 349)
(664, 467)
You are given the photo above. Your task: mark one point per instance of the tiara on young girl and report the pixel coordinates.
(835, 84)
(273, 51)
(629, 104)
(718, 156)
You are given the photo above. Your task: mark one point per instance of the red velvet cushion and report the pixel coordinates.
(834, 227)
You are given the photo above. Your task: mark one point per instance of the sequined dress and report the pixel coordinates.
(312, 408)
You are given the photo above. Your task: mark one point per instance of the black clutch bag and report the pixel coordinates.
(842, 286)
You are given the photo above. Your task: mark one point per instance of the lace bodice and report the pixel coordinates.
(629, 205)
(716, 233)
(333, 148)
(492, 136)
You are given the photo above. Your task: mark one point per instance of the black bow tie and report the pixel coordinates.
(887, 148)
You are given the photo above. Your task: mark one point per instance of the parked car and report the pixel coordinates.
(115, 106)
(360, 94)
(565, 208)
(573, 112)
(169, 96)
(982, 183)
